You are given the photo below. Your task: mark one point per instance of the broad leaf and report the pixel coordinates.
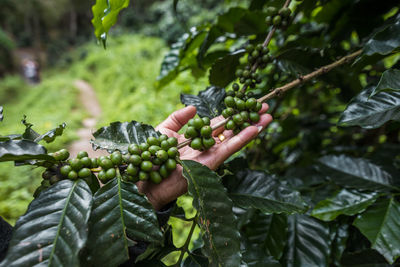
(222, 72)
(10, 137)
(49, 136)
(1, 113)
(54, 229)
(276, 235)
(356, 173)
(384, 42)
(254, 256)
(371, 112)
(105, 14)
(195, 259)
(180, 56)
(21, 150)
(221, 238)
(344, 202)
(119, 215)
(339, 243)
(380, 223)
(309, 242)
(209, 102)
(390, 81)
(119, 135)
(259, 190)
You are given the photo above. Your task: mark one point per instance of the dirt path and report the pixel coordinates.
(87, 97)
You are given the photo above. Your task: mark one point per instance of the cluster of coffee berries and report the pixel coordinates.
(256, 54)
(152, 160)
(242, 108)
(109, 166)
(277, 17)
(200, 133)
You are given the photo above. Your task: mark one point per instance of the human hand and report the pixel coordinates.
(176, 185)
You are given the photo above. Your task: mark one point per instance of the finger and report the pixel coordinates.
(176, 120)
(264, 108)
(227, 148)
(265, 119)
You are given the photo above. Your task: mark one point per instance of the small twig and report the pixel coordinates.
(185, 246)
(280, 90)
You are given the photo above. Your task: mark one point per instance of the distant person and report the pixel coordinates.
(30, 71)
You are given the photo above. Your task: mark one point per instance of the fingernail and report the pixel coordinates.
(260, 128)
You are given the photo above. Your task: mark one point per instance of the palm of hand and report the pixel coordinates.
(175, 185)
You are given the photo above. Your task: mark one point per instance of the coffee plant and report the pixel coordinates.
(319, 187)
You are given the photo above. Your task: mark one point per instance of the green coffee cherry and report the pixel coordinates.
(146, 166)
(208, 142)
(82, 154)
(111, 173)
(237, 118)
(84, 172)
(163, 171)
(153, 149)
(196, 143)
(155, 177)
(106, 164)
(135, 160)
(143, 176)
(162, 155)
(65, 170)
(254, 116)
(76, 164)
(173, 152)
(132, 170)
(229, 102)
(144, 146)
(230, 125)
(73, 175)
(165, 145)
(153, 141)
(206, 131)
(102, 176)
(198, 123)
(170, 164)
(163, 137)
(47, 174)
(206, 120)
(134, 149)
(146, 155)
(277, 20)
(172, 141)
(245, 115)
(86, 162)
(116, 158)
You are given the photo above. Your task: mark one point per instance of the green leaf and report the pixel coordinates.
(222, 72)
(209, 102)
(380, 223)
(339, 243)
(119, 215)
(54, 229)
(384, 42)
(390, 81)
(10, 137)
(259, 190)
(180, 56)
(21, 150)
(119, 135)
(276, 235)
(221, 238)
(49, 137)
(344, 202)
(254, 256)
(356, 173)
(371, 112)
(105, 14)
(195, 259)
(309, 242)
(1, 113)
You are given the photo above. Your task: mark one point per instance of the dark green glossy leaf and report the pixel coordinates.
(212, 35)
(344, 202)
(309, 242)
(364, 258)
(276, 235)
(105, 15)
(371, 112)
(390, 81)
(209, 102)
(259, 190)
(254, 256)
(222, 72)
(356, 173)
(221, 238)
(380, 223)
(119, 135)
(21, 150)
(339, 243)
(195, 259)
(54, 229)
(176, 60)
(1, 113)
(227, 20)
(119, 215)
(252, 22)
(385, 41)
